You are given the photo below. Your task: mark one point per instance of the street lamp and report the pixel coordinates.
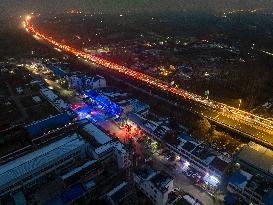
(240, 102)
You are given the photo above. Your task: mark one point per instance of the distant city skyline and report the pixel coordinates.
(20, 7)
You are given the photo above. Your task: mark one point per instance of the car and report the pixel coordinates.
(167, 157)
(177, 189)
(189, 173)
(149, 159)
(194, 175)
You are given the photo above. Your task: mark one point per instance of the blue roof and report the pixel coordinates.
(230, 199)
(55, 201)
(72, 193)
(186, 137)
(37, 128)
(237, 178)
(56, 70)
(139, 105)
(97, 77)
(91, 93)
(68, 196)
(268, 198)
(19, 198)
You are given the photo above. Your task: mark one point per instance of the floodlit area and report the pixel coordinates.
(96, 108)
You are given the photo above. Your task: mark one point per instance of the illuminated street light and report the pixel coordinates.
(240, 102)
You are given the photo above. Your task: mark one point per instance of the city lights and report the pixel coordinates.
(230, 112)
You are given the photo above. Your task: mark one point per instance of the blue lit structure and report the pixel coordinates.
(97, 107)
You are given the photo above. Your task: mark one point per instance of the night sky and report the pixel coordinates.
(20, 7)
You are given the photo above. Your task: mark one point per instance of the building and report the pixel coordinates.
(118, 194)
(95, 82)
(194, 154)
(54, 99)
(133, 105)
(35, 167)
(40, 127)
(186, 200)
(155, 185)
(105, 148)
(92, 82)
(69, 195)
(256, 159)
(57, 70)
(252, 189)
(75, 81)
(87, 170)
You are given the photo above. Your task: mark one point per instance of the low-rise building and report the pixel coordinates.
(92, 82)
(186, 200)
(87, 170)
(256, 159)
(199, 157)
(54, 99)
(155, 185)
(118, 194)
(33, 168)
(40, 127)
(194, 154)
(97, 81)
(105, 148)
(252, 189)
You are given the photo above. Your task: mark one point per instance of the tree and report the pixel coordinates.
(173, 123)
(171, 138)
(201, 129)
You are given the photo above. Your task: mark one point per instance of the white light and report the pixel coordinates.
(186, 164)
(213, 178)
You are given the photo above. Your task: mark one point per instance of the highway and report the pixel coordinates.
(253, 126)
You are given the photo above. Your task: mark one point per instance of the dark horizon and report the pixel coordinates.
(17, 8)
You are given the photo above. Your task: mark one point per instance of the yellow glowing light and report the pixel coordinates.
(28, 17)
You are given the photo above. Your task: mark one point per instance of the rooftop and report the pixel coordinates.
(68, 196)
(56, 70)
(145, 172)
(257, 156)
(96, 133)
(118, 193)
(187, 200)
(136, 119)
(78, 169)
(204, 154)
(58, 102)
(98, 77)
(268, 197)
(219, 164)
(161, 180)
(24, 165)
(37, 128)
(240, 178)
(187, 142)
(186, 137)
